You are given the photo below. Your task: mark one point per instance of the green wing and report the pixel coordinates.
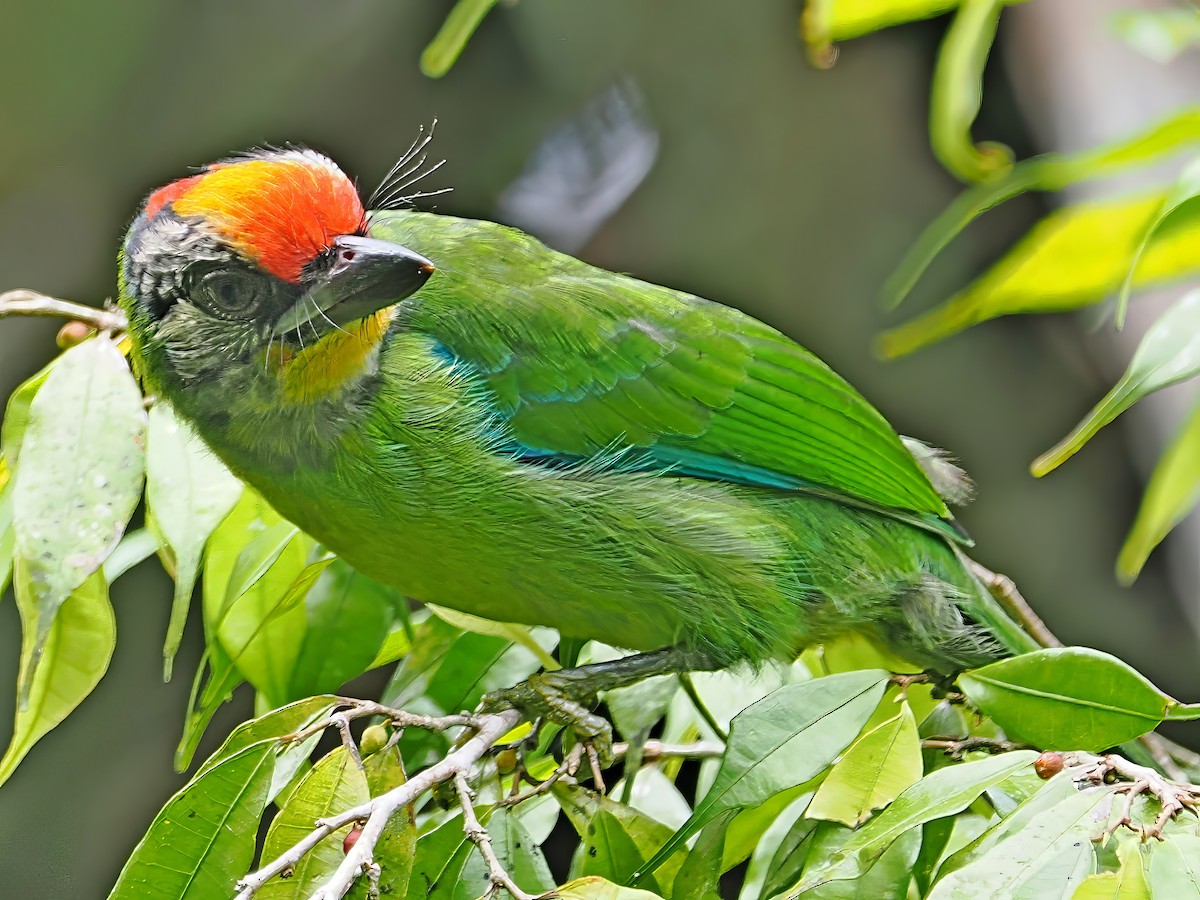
(585, 362)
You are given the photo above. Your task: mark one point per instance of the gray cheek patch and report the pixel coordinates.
(157, 253)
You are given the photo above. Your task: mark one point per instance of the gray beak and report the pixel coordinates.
(366, 276)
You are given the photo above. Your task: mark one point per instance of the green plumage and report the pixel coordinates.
(545, 442)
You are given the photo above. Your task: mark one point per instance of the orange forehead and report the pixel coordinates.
(281, 213)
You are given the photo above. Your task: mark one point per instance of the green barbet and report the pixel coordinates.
(492, 426)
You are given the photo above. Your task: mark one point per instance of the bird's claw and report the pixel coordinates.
(556, 696)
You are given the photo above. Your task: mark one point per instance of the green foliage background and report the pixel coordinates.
(784, 191)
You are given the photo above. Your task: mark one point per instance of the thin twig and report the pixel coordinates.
(478, 835)
(378, 811)
(689, 688)
(1005, 591)
(652, 751)
(956, 747)
(22, 302)
(351, 708)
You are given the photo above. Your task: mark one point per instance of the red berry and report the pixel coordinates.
(1048, 765)
(351, 838)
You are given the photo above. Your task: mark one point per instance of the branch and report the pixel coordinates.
(379, 810)
(1172, 797)
(497, 874)
(1005, 591)
(23, 302)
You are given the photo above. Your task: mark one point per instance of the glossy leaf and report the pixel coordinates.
(79, 480)
(616, 839)
(957, 93)
(8, 537)
(873, 772)
(1074, 257)
(1050, 856)
(1127, 883)
(1066, 698)
(887, 879)
(1185, 189)
(136, 547)
(593, 887)
(1175, 867)
(1049, 172)
(945, 792)
(509, 631)
(1169, 353)
(188, 493)
(202, 841)
(1172, 491)
(443, 51)
(349, 616)
(276, 724)
(16, 414)
(76, 656)
(334, 784)
(782, 741)
(699, 876)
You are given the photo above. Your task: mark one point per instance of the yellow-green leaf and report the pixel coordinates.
(1173, 490)
(336, 783)
(80, 477)
(188, 492)
(76, 655)
(874, 771)
(1168, 354)
(1074, 257)
(596, 888)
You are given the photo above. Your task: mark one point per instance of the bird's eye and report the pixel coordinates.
(230, 293)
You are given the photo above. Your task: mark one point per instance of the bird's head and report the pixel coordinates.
(257, 280)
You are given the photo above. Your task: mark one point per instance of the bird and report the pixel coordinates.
(492, 426)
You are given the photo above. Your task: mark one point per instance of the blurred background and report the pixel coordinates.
(685, 142)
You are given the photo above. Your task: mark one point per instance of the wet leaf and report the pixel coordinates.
(782, 741)
(1066, 698)
(1172, 491)
(873, 772)
(79, 480)
(188, 493)
(202, 841)
(76, 655)
(1169, 353)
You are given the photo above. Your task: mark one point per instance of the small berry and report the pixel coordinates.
(373, 739)
(1048, 765)
(73, 333)
(351, 838)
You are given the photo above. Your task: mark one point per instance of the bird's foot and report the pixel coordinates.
(558, 697)
(567, 695)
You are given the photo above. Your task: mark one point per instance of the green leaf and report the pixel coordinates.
(75, 658)
(874, 771)
(80, 478)
(1066, 698)
(219, 678)
(8, 537)
(202, 841)
(397, 845)
(887, 879)
(957, 93)
(1128, 883)
(188, 493)
(593, 887)
(1049, 172)
(443, 51)
(349, 618)
(782, 741)
(945, 792)
(509, 631)
(1169, 353)
(1175, 867)
(16, 414)
(135, 548)
(1074, 257)
(616, 839)
(700, 874)
(1049, 857)
(1185, 189)
(334, 784)
(276, 724)
(1160, 34)
(1172, 491)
